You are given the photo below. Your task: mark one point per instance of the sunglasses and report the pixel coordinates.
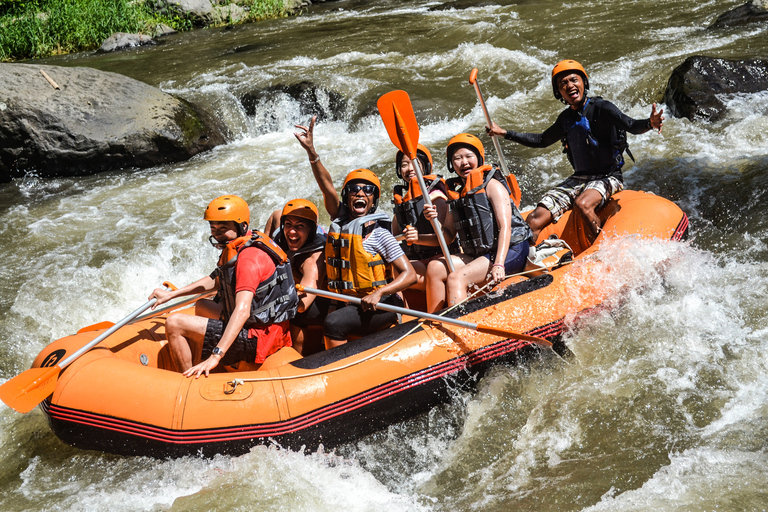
(354, 188)
(216, 243)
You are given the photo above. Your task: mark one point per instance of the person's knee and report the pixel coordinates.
(174, 324)
(586, 202)
(539, 218)
(455, 281)
(334, 329)
(436, 270)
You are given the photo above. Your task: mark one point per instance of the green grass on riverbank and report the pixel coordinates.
(39, 28)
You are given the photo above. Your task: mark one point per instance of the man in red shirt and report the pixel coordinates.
(256, 291)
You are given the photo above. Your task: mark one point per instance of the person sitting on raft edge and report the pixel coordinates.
(493, 236)
(257, 291)
(593, 134)
(361, 251)
(420, 243)
(295, 230)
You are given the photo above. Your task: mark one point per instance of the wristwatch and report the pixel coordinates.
(217, 352)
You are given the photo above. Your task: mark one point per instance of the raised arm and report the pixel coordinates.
(322, 176)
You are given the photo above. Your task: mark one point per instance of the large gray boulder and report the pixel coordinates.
(751, 12)
(96, 121)
(696, 87)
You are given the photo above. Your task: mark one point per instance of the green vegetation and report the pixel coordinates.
(39, 28)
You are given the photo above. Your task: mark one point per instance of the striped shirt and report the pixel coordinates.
(383, 242)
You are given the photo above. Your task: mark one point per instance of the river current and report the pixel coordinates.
(667, 407)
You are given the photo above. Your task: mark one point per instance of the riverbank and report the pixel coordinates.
(41, 28)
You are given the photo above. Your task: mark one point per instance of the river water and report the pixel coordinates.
(666, 408)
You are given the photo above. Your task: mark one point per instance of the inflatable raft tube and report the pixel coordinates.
(125, 396)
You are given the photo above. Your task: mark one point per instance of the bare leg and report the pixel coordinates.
(539, 219)
(329, 343)
(297, 337)
(185, 335)
(476, 271)
(585, 205)
(208, 309)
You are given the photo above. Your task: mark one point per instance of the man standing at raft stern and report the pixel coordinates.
(257, 291)
(593, 133)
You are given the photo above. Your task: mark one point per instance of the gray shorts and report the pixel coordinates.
(560, 199)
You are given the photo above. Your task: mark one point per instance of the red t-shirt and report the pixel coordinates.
(254, 266)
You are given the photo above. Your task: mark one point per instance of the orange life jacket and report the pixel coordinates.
(351, 269)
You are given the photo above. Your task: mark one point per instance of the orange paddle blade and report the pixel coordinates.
(514, 335)
(397, 114)
(96, 327)
(473, 76)
(29, 388)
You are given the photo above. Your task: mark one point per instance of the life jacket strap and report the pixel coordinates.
(338, 263)
(339, 242)
(377, 262)
(340, 285)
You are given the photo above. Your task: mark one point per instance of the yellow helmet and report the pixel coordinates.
(228, 208)
(465, 140)
(300, 208)
(422, 153)
(568, 66)
(363, 175)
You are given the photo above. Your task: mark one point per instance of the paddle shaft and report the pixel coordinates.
(428, 316)
(435, 222)
(494, 138)
(408, 142)
(175, 305)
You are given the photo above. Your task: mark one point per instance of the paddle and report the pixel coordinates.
(516, 194)
(29, 388)
(397, 114)
(486, 329)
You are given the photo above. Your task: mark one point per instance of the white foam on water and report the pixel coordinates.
(698, 479)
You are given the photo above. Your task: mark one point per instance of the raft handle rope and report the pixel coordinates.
(239, 382)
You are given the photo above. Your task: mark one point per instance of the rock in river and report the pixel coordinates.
(96, 121)
(696, 87)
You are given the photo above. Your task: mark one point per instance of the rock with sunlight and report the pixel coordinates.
(95, 121)
(696, 87)
(753, 11)
(200, 12)
(121, 41)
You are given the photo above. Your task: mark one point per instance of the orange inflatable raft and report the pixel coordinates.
(124, 396)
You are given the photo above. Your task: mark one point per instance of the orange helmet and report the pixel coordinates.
(568, 66)
(226, 208)
(465, 140)
(424, 156)
(300, 208)
(363, 175)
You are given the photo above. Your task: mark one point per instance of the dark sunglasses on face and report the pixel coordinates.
(354, 188)
(216, 243)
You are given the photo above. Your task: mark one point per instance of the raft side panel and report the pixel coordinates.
(336, 424)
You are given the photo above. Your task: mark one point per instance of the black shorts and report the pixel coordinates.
(316, 313)
(351, 320)
(243, 348)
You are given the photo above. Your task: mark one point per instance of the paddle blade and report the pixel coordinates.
(513, 335)
(473, 76)
(397, 114)
(26, 390)
(96, 327)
